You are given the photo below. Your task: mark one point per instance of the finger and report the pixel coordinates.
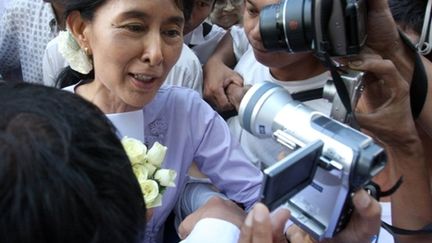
(369, 212)
(246, 229)
(278, 221)
(365, 221)
(296, 235)
(262, 231)
(377, 5)
(382, 68)
(187, 225)
(237, 79)
(367, 206)
(221, 100)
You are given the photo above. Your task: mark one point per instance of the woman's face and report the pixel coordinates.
(134, 44)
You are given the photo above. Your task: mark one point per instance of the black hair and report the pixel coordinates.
(64, 175)
(409, 13)
(188, 6)
(87, 9)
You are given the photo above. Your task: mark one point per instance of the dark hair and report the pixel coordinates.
(87, 9)
(188, 6)
(64, 176)
(409, 13)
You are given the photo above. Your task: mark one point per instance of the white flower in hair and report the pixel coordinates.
(72, 52)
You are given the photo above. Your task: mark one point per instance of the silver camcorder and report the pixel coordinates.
(329, 160)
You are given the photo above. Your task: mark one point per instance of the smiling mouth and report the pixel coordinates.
(142, 81)
(142, 77)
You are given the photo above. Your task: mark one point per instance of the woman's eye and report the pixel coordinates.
(134, 27)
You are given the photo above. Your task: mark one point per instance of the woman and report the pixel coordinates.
(133, 45)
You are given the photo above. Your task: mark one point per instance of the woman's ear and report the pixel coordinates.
(77, 26)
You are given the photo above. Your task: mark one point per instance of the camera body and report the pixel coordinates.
(329, 162)
(336, 27)
(353, 81)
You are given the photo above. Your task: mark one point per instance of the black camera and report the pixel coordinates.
(336, 27)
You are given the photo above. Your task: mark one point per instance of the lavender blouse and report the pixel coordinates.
(179, 119)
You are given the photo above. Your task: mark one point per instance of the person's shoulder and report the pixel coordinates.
(187, 58)
(217, 31)
(217, 28)
(52, 44)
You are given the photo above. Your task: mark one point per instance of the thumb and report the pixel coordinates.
(369, 212)
(377, 5)
(278, 221)
(186, 226)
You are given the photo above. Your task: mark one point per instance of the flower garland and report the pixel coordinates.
(76, 57)
(146, 165)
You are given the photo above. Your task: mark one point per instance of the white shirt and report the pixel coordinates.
(25, 28)
(240, 41)
(212, 230)
(187, 72)
(203, 46)
(266, 150)
(3, 5)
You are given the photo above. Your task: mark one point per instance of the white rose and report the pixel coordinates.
(150, 189)
(74, 55)
(135, 150)
(156, 154)
(156, 202)
(140, 172)
(166, 177)
(150, 169)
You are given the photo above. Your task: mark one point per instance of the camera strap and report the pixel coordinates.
(375, 191)
(340, 88)
(419, 81)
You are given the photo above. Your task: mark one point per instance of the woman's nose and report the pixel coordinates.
(152, 53)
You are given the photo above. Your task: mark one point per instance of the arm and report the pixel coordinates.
(220, 157)
(385, 112)
(218, 74)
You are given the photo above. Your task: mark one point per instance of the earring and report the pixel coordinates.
(87, 51)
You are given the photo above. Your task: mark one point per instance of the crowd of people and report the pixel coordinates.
(79, 75)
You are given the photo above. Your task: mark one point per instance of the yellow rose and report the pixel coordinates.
(166, 177)
(135, 150)
(156, 154)
(150, 189)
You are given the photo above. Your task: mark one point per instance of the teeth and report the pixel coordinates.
(142, 77)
